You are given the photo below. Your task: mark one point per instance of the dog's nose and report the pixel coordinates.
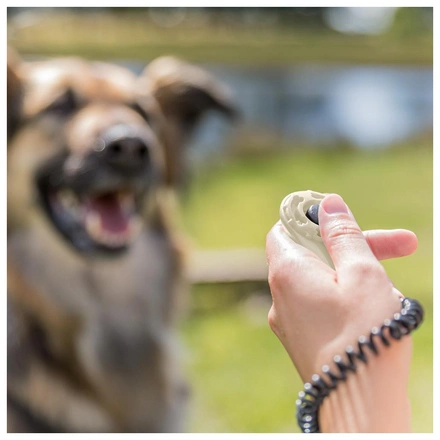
(127, 153)
(125, 149)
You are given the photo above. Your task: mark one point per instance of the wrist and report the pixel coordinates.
(374, 399)
(377, 400)
(355, 327)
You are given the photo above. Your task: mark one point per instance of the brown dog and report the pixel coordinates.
(94, 267)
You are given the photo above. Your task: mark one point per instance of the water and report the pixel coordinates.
(365, 106)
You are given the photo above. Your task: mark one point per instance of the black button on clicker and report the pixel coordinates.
(312, 214)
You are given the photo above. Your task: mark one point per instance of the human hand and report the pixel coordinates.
(318, 311)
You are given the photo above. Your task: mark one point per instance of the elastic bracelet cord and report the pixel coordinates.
(311, 397)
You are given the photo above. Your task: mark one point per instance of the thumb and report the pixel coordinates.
(342, 236)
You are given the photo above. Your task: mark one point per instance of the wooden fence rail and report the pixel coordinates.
(227, 266)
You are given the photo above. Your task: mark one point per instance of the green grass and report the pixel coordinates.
(243, 380)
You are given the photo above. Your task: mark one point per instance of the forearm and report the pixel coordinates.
(374, 398)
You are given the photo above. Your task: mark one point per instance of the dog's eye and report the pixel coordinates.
(63, 105)
(139, 109)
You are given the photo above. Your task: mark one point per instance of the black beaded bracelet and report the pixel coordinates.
(309, 400)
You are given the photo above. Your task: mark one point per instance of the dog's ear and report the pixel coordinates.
(184, 93)
(14, 91)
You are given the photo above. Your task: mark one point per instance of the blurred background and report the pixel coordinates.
(332, 99)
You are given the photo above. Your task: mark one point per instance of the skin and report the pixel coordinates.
(318, 311)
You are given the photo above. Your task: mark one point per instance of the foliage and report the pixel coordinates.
(242, 36)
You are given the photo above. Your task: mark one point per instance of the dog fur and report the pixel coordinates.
(92, 314)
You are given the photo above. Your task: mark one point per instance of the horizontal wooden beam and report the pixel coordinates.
(227, 265)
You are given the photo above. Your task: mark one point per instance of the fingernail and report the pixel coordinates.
(334, 204)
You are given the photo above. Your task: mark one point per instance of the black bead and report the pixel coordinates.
(312, 214)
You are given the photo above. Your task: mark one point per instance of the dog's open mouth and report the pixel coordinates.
(106, 221)
(95, 209)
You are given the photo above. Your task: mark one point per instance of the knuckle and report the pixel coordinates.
(276, 281)
(272, 320)
(340, 230)
(280, 276)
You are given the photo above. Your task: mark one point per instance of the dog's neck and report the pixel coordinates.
(73, 281)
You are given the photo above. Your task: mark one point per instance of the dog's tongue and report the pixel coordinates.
(112, 216)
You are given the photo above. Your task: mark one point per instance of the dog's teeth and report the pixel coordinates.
(97, 232)
(114, 240)
(122, 238)
(107, 239)
(111, 239)
(93, 224)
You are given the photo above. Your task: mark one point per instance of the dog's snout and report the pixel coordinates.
(125, 149)
(127, 152)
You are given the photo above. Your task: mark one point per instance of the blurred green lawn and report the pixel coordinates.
(243, 380)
